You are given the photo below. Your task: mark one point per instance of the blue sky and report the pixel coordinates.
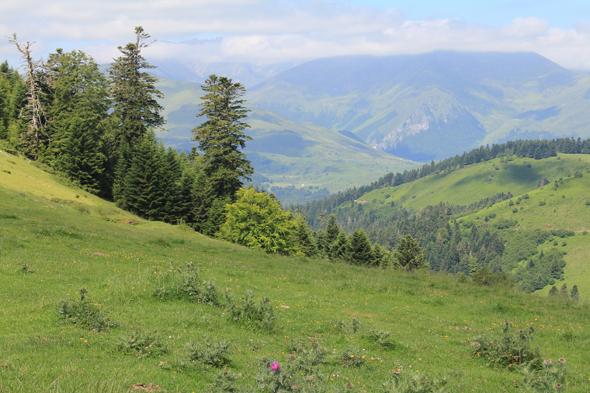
(273, 31)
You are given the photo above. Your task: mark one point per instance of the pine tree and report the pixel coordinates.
(360, 251)
(575, 295)
(553, 291)
(134, 94)
(81, 157)
(305, 239)
(77, 107)
(563, 291)
(332, 230)
(221, 137)
(143, 191)
(409, 254)
(339, 249)
(171, 176)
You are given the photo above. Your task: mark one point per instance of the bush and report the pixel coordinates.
(245, 310)
(83, 313)
(142, 345)
(292, 376)
(542, 203)
(552, 377)
(215, 354)
(381, 337)
(415, 383)
(353, 357)
(187, 284)
(510, 349)
(352, 327)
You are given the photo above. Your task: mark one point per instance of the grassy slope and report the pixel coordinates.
(564, 208)
(475, 182)
(59, 244)
(286, 152)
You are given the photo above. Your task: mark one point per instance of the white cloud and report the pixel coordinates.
(266, 31)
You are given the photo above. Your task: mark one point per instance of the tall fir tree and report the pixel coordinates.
(409, 254)
(221, 137)
(360, 251)
(134, 93)
(305, 238)
(339, 249)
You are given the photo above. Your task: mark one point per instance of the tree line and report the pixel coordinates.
(99, 131)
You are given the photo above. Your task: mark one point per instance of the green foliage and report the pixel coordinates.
(84, 313)
(245, 310)
(510, 349)
(186, 283)
(213, 353)
(221, 137)
(353, 357)
(142, 344)
(409, 254)
(485, 276)
(305, 240)
(552, 377)
(256, 220)
(352, 326)
(133, 92)
(360, 251)
(382, 338)
(406, 382)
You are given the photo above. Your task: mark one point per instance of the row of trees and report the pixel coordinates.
(99, 131)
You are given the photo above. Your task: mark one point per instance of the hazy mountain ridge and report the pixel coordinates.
(414, 105)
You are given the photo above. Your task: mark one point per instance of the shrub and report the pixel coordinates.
(215, 354)
(292, 376)
(542, 203)
(353, 326)
(415, 383)
(142, 345)
(306, 356)
(381, 337)
(83, 313)
(552, 377)
(353, 357)
(187, 284)
(245, 310)
(226, 383)
(510, 349)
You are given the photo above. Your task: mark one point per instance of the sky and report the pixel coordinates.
(197, 32)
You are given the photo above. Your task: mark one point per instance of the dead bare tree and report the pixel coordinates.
(33, 110)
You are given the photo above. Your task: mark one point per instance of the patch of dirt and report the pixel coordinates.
(100, 254)
(140, 387)
(130, 222)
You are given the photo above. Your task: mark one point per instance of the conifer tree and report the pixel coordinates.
(553, 291)
(305, 239)
(409, 254)
(332, 230)
(360, 251)
(143, 191)
(563, 291)
(575, 295)
(77, 106)
(134, 94)
(221, 137)
(339, 249)
(171, 176)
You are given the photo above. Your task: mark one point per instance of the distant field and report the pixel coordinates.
(475, 182)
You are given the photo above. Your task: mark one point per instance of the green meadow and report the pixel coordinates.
(472, 183)
(56, 240)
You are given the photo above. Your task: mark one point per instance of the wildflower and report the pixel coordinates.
(396, 371)
(562, 360)
(349, 385)
(130, 340)
(548, 362)
(275, 366)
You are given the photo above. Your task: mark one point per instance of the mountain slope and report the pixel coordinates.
(48, 254)
(434, 105)
(284, 152)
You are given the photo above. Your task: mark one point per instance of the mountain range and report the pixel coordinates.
(342, 122)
